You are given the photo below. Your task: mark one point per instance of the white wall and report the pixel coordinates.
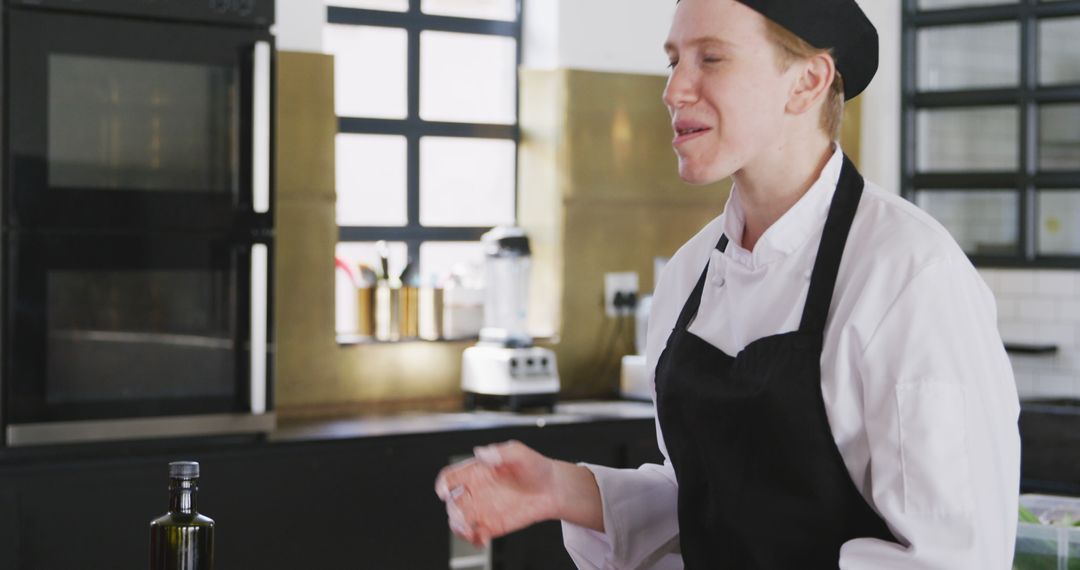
(880, 152)
(541, 34)
(299, 25)
(624, 36)
(1041, 307)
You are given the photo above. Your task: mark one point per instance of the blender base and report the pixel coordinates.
(513, 402)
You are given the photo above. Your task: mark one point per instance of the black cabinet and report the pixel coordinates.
(1049, 440)
(347, 503)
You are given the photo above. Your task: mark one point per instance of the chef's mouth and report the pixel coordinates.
(690, 131)
(684, 135)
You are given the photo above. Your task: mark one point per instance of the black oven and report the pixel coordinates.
(137, 219)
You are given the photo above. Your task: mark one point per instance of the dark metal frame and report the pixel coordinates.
(413, 128)
(1026, 98)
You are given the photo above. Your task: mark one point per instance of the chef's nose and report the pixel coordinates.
(681, 87)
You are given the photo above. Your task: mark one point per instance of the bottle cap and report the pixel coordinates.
(184, 470)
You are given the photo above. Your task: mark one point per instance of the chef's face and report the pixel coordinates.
(726, 93)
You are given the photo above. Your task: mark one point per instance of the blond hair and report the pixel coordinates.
(792, 48)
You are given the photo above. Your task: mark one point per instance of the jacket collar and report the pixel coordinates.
(793, 229)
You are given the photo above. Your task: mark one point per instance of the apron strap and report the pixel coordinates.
(690, 307)
(845, 202)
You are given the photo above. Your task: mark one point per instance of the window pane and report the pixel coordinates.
(370, 65)
(352, 254)
(983, 222)
(1059, 222)
(438, 258)
(935, 4)
(371, 180)
(468, 78)
(968, 139)
(388, 5)
(969, 57)
(1059, 51)
(485, 9)
(466, 182)
(1059, 137)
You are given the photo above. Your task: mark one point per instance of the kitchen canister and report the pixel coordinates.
(387, 312)
(409, 308)
(365, 311)
(431, 313)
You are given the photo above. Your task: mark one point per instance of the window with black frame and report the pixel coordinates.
(426, 94)
(991, 125)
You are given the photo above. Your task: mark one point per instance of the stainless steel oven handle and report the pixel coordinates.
(259, 282)
(260, 139)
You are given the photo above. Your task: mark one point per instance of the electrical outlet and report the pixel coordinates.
(625, 283)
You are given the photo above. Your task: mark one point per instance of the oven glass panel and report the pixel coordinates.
(138, 335)
(128, 124)
(127, 325)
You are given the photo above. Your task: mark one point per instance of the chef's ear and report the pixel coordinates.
(814, 77)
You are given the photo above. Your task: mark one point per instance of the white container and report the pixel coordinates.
(1048, 546)
(463, 312)
(634, 378)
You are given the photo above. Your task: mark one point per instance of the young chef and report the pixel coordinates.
(831, 388)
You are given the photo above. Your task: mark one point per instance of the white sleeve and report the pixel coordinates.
(641, 523)
(941, 416)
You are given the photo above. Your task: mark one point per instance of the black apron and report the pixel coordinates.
(761, 481)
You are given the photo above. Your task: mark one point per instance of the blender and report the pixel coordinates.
(505, 369)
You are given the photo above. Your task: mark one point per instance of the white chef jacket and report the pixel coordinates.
(919, 391)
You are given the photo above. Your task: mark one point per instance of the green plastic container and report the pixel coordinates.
(1053, 545)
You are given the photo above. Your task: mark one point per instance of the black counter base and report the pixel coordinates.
(341, 502)
(513, 402)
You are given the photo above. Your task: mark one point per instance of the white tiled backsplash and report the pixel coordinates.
(1040, 307)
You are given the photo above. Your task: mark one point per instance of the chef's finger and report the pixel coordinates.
(452, 476)
(484, 538)
(441, 488)
(471, 509)
(462, 531)
(466, 535)
(453, 510)
(459, 523)
(488, 455)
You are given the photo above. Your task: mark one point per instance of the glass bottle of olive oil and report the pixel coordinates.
(182, 539)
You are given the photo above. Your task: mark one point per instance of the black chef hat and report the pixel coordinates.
(837, 24)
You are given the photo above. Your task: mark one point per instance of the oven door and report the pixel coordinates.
(137, 124)
(135, 335)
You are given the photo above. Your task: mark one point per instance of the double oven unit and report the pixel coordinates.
(137, 220)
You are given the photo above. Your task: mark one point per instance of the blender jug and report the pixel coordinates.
(506, 275)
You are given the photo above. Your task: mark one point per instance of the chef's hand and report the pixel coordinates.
(508, 486)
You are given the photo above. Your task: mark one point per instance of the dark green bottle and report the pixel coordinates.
(182, 539)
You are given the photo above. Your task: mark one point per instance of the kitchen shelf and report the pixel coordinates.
(1022, 348)
(358, 340)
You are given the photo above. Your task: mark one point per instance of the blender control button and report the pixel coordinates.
(513, 363)
(529, 362)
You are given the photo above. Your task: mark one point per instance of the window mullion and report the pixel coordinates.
(1029, 129)
(413, 181)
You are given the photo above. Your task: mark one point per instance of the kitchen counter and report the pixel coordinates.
(420, 423)
(335, 493)
(327, 493)
(300, 431)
